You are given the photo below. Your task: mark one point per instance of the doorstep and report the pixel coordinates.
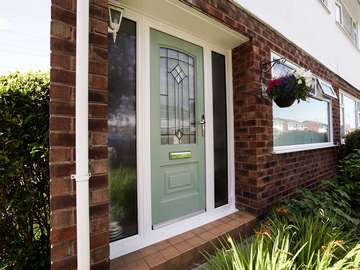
(186, 250)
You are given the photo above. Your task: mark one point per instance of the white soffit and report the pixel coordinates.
(187, 19)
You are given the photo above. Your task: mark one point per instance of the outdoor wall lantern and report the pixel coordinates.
(115, 17)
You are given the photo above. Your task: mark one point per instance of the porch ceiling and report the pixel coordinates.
(187, 19)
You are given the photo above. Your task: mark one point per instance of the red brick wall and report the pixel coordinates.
(62, 134)
(263, 178)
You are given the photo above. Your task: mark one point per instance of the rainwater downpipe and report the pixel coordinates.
(81, 138)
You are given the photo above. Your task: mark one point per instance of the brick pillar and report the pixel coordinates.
(252, 124)
(62, 135)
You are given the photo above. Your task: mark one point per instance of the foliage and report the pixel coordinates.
(317, 231)
(255, 255)
(352, 142)
(24, 174)
(349, 176)
(267, 252)
(333, 202)
(123, 193)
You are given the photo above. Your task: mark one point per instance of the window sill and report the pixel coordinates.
(301, 147)
(347, 35)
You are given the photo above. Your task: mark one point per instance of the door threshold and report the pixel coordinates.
(136, 242)
(175, 220)
(184, 250)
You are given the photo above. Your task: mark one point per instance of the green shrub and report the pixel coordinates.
(333, 201)
(352, 142)
(256, 255)
(309, 243)
(24, 173)
(319, 230)
(349, 177)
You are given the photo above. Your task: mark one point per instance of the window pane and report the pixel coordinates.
(220, 130)
(355, 33)
(122, 132)
(347, 22)
(177, 97)
(280, 70)
(338, 13)
(349, 115)
(302, 123)
(326, 88)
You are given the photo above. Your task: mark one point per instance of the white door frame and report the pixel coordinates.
(146, 236)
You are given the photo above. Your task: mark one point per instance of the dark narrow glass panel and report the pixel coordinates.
(220, 129)
(122, 132)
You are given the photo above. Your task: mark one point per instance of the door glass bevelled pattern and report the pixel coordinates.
(177, 97)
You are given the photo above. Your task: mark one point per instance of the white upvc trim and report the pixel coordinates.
(209, 130)
(357, 110)
(341, 91)
(301, 147)
(146, 236)
(341, 26)
(230, 126)
(81, 136)
(326, 83)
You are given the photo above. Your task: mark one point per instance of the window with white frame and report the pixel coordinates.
(347, 21)
(349, 114)
(305, 124)
(326, 88)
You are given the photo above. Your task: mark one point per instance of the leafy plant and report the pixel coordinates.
(266, 253)
(255, 255)
(319, 230)
(24, 173)
(296, 85)
(352, 142)
(123, 193)
(309, 243)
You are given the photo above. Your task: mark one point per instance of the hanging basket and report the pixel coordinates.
(284, 102)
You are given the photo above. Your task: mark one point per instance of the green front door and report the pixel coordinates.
(177, 128)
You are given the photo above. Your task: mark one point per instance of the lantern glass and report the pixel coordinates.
(115, 16)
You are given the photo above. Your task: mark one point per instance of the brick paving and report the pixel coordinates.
(186, 250)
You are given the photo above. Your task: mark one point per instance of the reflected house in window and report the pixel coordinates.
(315, 126)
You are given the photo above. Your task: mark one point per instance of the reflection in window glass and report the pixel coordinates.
(122, 132)
(348, 115)
(301, 123)
(220, 130)
(280, 70)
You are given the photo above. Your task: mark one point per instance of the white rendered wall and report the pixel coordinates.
(312, 27)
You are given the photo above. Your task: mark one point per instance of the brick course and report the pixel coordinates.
(262, 178)
(62, 134)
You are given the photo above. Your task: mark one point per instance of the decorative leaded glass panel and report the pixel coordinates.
(177, 97)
